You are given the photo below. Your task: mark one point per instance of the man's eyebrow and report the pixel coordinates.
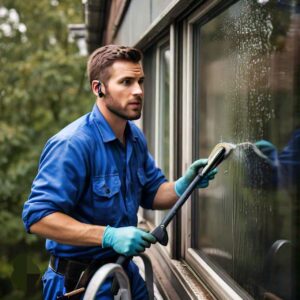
(132, 77)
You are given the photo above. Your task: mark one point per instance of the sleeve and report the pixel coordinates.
(60, 180)
(154, 177)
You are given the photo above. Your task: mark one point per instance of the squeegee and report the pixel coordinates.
(218, 154)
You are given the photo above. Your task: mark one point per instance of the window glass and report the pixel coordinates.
(149, 101)
(161, 112)
(163, 115)
(247, 92)
(149, 65)
(164, 110)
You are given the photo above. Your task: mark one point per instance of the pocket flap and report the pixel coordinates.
(106, 186)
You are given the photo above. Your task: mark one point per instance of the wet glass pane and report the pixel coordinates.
(247, 92)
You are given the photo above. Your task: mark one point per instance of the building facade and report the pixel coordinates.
(220, 71)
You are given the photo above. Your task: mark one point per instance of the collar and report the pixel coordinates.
(130, 133)
(106, 131)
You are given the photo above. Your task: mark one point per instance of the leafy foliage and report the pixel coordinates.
(42, 88)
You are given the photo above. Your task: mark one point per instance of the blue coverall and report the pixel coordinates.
(86, 173)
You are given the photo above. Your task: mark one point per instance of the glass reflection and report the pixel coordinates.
(247, 69)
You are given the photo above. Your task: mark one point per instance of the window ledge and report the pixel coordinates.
(174, 279)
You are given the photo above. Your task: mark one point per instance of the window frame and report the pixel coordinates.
(170, 41)
(166, 40)
(223, 287)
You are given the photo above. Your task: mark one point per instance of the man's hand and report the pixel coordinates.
(128, 241)
(268, 149)
(183, 182)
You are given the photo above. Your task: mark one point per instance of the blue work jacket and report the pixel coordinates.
(86, 173)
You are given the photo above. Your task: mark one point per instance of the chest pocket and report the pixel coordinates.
(106, 201)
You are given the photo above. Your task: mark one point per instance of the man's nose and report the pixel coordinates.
(138, 89)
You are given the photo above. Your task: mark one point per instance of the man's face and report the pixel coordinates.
(124, 91)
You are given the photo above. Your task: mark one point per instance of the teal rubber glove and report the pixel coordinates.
(128, 241)
(183, 182)
(267, 148)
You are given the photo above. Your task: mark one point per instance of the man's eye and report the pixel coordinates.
(141, 81)
(126, 81)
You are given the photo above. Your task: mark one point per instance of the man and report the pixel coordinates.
(94, 175)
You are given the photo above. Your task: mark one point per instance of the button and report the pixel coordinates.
(107, 190)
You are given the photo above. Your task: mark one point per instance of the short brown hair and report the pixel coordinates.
(105, 56)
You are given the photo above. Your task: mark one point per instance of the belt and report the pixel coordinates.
(77, 273)
(61, 265)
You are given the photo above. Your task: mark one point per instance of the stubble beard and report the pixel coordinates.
(120, 112)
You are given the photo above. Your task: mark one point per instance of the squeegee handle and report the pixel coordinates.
(160, 231)
(173, 211)
(202, 172)
(122, 259)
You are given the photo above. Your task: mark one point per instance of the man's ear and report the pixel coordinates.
(98, 88)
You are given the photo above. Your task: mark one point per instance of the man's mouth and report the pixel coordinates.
(135, 103)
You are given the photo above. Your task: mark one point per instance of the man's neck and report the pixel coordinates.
(116, 123)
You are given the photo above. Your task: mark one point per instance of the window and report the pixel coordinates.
(246, 72)
(157, 111)
(149, 65)
(163, 114)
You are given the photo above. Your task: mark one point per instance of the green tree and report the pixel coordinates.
(43, 87)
